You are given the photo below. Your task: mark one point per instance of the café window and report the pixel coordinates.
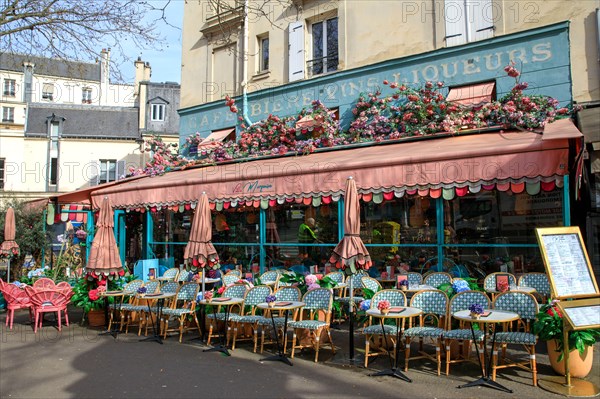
(264, 53)
(108, 170)
(10, 87)
(86, 95)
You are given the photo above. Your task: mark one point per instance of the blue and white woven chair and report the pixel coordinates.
(489, 283)
(235, 272)
(415, 279)
(338, 277)
(170, 274)
(270, 278)
(314, 320)
(129, 291)
(432, 324)
(183, 276)
(374, 331)
(183, 305)
(540, 282)
(527, 307)
(253, 297)
(229, 279)
(357, 287)
(371, 284)
(436, 279)
(139, 308)
(463, 334)
(283, 294)
(233, 291)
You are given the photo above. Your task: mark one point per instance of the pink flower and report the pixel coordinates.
(310, 279)
(313, 286)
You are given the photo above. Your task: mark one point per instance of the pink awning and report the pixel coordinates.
(215, 137)
(472, 94)
(436, 165)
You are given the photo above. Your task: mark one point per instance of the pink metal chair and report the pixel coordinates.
(65, 288)
(16, 299)
(44, 283)
(45, 301)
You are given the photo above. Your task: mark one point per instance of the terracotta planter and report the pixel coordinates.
(96, 318)
(579, 365)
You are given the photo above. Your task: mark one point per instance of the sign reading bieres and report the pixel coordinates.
(542, 55)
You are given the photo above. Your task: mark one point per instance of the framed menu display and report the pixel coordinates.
(583, 313)
(567, 264)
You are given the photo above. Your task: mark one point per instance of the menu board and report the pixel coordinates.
(566, 262)
(584, 316)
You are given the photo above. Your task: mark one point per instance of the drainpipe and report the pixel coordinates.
(245, 67)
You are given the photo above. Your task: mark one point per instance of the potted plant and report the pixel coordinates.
(404, 285)
(86, 295)
(548, 326)
(476, 310)
(384, 306)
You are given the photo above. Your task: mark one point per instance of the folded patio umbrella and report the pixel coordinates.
(9, 247)
(104, 254)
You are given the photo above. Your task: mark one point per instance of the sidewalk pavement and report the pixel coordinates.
(78, 363)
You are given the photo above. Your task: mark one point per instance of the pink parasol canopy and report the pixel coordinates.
(104, 254)
(351, 254)
(9, 247)
(199, 251)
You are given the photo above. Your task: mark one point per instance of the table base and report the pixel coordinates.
(578, 388)
(113, 332)
(488, 382)
(155, 338)
(219, 348)
(280, 358)
(392, 372)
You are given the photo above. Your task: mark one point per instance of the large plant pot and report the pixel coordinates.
(579, 365)
(96, 318)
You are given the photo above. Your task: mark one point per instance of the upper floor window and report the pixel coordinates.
(10, 87)
(468, 21)
(264, 54)
(8, 114)
(324, 39)
(48, 91)
(2, 161)
(86, 95)
(158, 112)
(108, 170)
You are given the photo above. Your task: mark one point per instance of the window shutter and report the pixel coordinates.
(296, 51)
(95, 179)
(120, 170)
(481, 23)
(456, 22)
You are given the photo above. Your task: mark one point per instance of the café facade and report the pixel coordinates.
(459, 200)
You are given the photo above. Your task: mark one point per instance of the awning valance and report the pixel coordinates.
(460, 163)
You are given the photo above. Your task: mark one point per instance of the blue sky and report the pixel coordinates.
(166, 64)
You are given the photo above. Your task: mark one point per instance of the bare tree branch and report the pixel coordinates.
(78, 29)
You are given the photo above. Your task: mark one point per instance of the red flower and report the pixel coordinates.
(385, 82)
(554, 312)
(220, 290)
(93, 295)
(121, 272)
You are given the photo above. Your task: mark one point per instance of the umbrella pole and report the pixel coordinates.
(203, 272)
(8, 271)
(351, 328)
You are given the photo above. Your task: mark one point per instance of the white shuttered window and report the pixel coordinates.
(296, 51)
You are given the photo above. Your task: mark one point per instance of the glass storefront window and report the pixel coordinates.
(235, 225)
(493, 217)
(399, 221)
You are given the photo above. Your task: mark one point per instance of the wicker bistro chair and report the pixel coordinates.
(338, 277)
(135, 307)
(436, 279)
(270, 278)
(128, 290)
(16, 299)
(253, 297)
(235, 272)
(356, 287)
(489, 283)
(168, 287)
(527, 307)
(318, 304)
(374, 331)
(183, 306)
(183, 276)
(283, 294)
(371, 284)
(415, 279)
(432, 324)
(229, 279)
(463, 334)
(232, 291)
(540, 282)
(170, 274)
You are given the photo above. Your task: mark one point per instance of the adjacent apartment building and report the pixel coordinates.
(66, 126)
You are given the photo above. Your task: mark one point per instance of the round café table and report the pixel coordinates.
(160, 303)
(492, 317)
(397, 313)
(284, 306)
(228, 303)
